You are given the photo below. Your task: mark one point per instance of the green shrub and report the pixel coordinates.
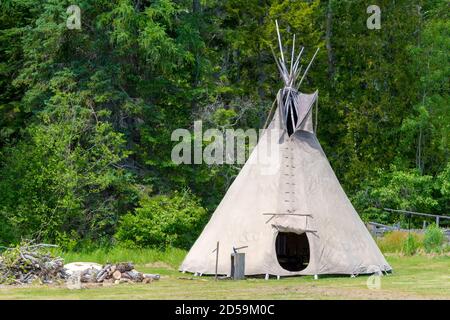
(446, 248)
(67, 241)
(434, 239)
(394, 241)
(162, 221)
(410, 245)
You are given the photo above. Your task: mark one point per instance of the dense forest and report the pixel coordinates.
(86, 115)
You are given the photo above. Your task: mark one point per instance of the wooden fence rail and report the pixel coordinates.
(406, 212)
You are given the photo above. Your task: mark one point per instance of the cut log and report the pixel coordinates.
(125, 275)
(112, 269)
(89, 275)
(151, 276)
(103, 273)
(102, 277)
(117, 275)
(124, 280)
(124, 266)
(135, 275)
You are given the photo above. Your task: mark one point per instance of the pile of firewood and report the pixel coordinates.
(30, 262)
(123, 272)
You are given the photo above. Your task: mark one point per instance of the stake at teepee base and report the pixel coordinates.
(286, 204)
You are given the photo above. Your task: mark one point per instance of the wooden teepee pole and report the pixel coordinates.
(279, 41)
(292, 54)
(307, 69)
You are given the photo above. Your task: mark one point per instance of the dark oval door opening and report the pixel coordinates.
(292, 251)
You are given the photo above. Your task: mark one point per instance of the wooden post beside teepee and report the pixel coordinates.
(217, 258)
(238, 266)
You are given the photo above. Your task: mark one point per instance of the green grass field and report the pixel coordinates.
(417, 277)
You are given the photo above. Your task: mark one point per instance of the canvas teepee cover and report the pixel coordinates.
(286, 207)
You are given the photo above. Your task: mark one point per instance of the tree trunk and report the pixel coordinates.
(196, 12)
(419, 152)
(328, 35)
(196, 6)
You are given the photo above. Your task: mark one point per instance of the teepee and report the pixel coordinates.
(286, 210)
